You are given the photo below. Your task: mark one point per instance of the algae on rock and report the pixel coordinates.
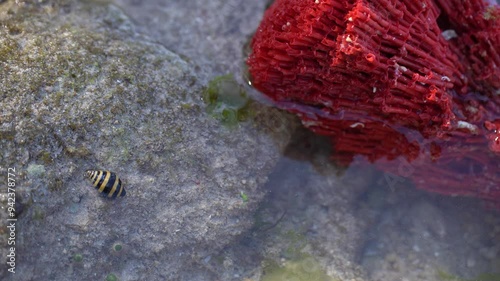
(82, 90)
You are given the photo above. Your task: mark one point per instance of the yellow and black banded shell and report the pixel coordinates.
(106, 182)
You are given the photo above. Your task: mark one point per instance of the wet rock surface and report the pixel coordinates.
(211, 33)
(87, 86)
(81, 89)
(414, 235)
(333, 224)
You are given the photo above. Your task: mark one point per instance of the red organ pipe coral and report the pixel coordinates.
(417, 81)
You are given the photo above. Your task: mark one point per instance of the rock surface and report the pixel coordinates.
(328, 225)
(81, 89)
(212, 33)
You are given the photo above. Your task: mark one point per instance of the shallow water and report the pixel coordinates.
(318, 217)
(317, 221)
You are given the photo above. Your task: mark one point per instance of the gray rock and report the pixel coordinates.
(212, 33)
(81, 89)
(430, 237)
(305, 230)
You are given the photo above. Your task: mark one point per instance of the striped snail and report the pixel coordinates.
(106, 182)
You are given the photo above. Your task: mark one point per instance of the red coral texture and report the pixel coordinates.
(416, 82)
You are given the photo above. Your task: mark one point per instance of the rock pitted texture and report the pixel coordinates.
(82, 90)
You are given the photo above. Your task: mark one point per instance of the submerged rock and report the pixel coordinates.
(81, 89)
(382, 82)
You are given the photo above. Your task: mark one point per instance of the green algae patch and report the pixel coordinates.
(296, 262)
(35, 170)
(111, 277)
(304, 269)
(117, 247)
(445, 276)
(244, 196)
(77, 258)
(296, 242)
(226, 100)
(45, 157)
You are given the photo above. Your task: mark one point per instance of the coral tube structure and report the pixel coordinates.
(415, 82)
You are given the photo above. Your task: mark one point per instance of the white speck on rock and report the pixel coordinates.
(468, 126)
